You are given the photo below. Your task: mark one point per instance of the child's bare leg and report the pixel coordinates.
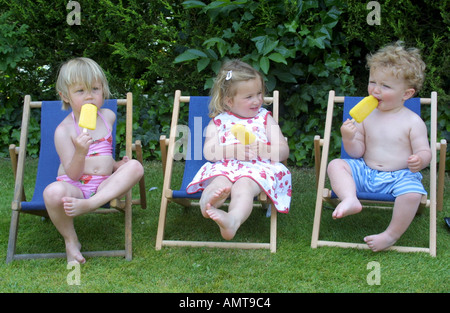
(215, 194)
(343, 185)
(405, 209)
(243, 192)
(125, 177)
(53, 195)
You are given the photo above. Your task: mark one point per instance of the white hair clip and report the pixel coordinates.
(229, 75)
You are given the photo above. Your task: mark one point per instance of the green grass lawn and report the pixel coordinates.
(294, 268)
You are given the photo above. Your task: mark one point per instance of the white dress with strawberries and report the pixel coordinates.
(273, 177)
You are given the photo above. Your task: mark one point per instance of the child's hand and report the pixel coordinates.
(82, 143)
(260, 149)
(348, 130)
(118, 164)
(414, 163)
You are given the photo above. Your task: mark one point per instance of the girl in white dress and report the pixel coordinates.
(241, 170)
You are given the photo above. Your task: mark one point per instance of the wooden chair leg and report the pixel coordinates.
(15, 215)
(128, 227)
(161, 223)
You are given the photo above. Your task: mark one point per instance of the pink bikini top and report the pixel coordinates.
(102, 146)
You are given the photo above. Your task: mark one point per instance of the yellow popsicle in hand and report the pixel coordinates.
(242, 134)
(360, 111)
(88, 117)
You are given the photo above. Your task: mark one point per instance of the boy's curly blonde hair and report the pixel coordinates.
(223, 87)
(80, 71)
(404, 63)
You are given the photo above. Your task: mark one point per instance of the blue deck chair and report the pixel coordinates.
(51, 115)
(197, 121)
(321, 147)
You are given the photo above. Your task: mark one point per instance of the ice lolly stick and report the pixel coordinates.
(360, 111)
(242, 134)
(88, 117)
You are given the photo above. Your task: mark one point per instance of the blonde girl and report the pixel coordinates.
(88, 176)
(238, 170)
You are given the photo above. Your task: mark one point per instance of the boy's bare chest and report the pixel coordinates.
(388, 134)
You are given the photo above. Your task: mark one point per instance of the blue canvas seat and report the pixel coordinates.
(435, 193)
(51, 116)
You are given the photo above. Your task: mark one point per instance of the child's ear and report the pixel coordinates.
(63, 97)
(409, 93)
(228, 102)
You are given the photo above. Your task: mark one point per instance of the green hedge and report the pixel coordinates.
(152, 48)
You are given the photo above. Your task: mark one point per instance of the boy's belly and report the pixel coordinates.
(386, 161)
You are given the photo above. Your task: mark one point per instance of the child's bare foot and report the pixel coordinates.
(74, 206)
(219, 197)
(347, 207)
(380, 242)
(227, 224)
(73, 253)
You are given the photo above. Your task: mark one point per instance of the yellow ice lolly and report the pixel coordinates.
(364, 108)
(242, 134)
(88, 117)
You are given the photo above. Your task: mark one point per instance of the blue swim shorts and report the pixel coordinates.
(395, 183)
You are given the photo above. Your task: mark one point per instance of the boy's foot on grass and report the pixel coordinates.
(347, 207)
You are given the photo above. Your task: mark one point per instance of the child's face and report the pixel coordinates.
(79, 95)
(390, 91)
(248, 98)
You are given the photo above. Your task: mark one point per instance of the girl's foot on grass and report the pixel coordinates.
(73, 253)
(227, 223)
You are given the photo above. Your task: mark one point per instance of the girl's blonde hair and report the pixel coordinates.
(232, 71)
(405, 63)
(80, 71)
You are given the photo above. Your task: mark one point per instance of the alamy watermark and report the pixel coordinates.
(374, 16)
(74, 16)
(74, 276)
(189, 142)
(374, 276)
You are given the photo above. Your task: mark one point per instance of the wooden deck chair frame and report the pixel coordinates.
(167, 153)
(18, 159)
(323, 194)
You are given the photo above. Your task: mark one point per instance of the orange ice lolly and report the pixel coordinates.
(242, 134)
(364, 107)
(88, 117)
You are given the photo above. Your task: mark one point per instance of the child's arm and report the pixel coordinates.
(421, 156)
(278, 149)
(353, 139)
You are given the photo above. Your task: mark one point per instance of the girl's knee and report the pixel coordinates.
(135, 167)
(54, 193)
(245, 186)
(138, 168)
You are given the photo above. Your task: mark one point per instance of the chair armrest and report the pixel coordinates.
(137, 146)
(318, 143)
(442, 146)
(163, 143)
(13, 153)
